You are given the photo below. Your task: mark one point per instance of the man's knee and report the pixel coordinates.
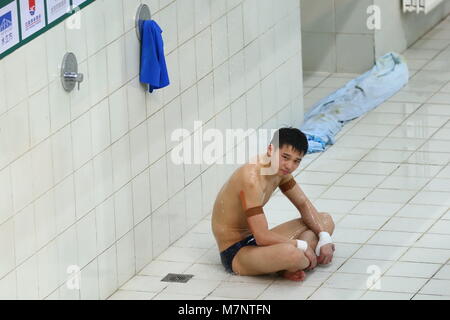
(327, 220)
(294, 258)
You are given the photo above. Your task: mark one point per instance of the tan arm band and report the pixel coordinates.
(254, 211)
(250, 212)
(285, 187)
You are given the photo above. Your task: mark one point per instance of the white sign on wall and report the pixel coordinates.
(77, 3)
(32, 16)
(56, 9)
(9, 27)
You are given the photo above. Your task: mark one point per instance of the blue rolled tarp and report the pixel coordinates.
(327, 117)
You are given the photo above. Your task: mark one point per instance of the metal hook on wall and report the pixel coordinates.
(69, 72)
(143, 14)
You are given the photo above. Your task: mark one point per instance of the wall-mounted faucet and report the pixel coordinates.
(69, 72)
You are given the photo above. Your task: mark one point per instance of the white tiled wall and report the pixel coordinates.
(399, 31)
(335, 36)
(86, 177)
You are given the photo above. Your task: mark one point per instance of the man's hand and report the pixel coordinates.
(309, 253)
(326, 253)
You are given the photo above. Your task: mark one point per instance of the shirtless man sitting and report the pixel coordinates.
(247, 246)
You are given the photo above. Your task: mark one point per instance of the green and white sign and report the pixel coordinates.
(32, 16)
(23, 20)
(9, 27)
(56, 9)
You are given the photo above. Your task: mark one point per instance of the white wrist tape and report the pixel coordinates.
(324, 238)
(302, 245)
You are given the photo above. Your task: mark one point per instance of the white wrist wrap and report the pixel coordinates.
(302, 245)
(324, 238)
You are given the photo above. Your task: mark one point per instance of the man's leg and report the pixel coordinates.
(255, 260)
(251, 261)
(296, 229)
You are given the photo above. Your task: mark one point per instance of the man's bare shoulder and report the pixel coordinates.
(249, 175)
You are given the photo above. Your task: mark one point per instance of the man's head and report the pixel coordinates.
(287, 149)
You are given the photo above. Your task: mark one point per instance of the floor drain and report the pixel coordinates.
(180, 278)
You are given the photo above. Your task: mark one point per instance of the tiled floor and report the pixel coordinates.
(386, 182)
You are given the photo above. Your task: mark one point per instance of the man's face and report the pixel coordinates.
(288, 159)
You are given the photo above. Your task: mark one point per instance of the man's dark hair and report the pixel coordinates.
(291, 137)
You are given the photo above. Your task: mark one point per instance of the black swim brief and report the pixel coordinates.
(227, 255)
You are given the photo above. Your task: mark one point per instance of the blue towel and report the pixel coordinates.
(153, 62)
(359, 96)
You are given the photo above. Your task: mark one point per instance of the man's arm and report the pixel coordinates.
(309, 213)
(310, 216)
(251, 200)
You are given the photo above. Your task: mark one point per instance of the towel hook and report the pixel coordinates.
(143, 14)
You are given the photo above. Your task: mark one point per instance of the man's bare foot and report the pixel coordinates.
(299, 275)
